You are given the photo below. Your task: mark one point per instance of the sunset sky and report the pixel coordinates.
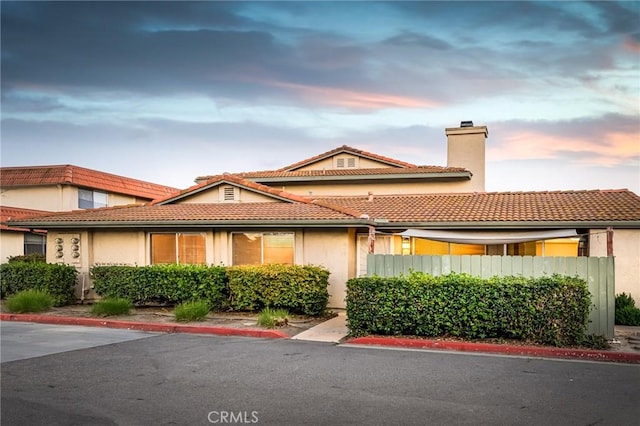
(169, 91)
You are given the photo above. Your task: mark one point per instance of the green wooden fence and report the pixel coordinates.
(598, 272)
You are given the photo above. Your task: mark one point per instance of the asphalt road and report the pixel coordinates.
(180, 379)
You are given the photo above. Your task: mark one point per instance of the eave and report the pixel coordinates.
(372, 178)
(591, 224)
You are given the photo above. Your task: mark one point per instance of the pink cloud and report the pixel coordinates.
(354, 99)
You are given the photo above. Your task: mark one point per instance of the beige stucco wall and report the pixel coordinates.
(215, 195)
(466, 147)
(626, 250)
(11, 244)
(330, 163)
(363, 189)
(55, 198)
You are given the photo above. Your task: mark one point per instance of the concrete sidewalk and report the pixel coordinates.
(333, 330)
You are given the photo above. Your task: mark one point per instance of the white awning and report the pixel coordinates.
(488, 237)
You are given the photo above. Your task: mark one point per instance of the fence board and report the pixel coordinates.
(597, 272)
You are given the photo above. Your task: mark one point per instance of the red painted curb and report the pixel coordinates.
(586, 354)
(143, 326)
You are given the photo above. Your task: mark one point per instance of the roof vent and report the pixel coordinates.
(466, 123)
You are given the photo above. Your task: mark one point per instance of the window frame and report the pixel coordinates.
(177, 249)
(90, 197)
(262, 246)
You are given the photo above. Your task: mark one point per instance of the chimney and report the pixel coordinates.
(466, 148)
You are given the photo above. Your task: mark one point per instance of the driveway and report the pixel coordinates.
(194, 379)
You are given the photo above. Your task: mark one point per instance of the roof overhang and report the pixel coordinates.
(327, 179)
(488, 237)
(510, 225)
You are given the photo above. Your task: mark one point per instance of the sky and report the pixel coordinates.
(168, 91)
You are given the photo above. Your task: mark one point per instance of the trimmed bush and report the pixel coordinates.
(162, 283)
(57, 280)
(626, 311)
(108, 307)
(34, 257)
(29, 301)
(299, 289)
(548, 310)
(195, 310)
(272, 318)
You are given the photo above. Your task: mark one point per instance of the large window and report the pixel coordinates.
(257, 248)
(180, 248)
(35, 244)
(88, 199)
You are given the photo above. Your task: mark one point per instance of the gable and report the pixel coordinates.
(346, 157)
(226, 193)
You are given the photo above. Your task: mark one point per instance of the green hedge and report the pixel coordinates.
(299, 289)
(626, 311)
(549, 310)
(162, 283)
(58, 280)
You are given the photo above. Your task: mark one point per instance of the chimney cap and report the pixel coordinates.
(468, 123)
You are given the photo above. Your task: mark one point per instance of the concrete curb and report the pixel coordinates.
(534, 351)
(143, 326)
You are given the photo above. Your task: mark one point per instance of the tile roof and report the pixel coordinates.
(82, 177)
(558, 206)
(194, 214)
(483, 209)
(8, 213)
(348, 149)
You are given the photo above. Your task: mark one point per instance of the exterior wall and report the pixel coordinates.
(118, 248)
(215, 195)
(54, 198)
(466, 148)
(330, 163)
(339, 260)
(626, 250)
(363, 189)
(12, 244)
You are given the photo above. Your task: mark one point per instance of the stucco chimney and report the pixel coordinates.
(466, 148)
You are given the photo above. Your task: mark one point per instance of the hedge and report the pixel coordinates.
(58, 280)
(162, 283)
(299, 289)
(549, 310)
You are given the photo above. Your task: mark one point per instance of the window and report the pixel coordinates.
(88, 199)
(261, 248)
(35, 244)
(177, 248)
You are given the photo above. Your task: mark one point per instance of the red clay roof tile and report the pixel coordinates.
(82, 177)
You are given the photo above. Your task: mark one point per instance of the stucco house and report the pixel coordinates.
(37, 190)
(334, 208)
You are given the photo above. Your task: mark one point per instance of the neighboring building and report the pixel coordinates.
(30, 191)
(334, 208)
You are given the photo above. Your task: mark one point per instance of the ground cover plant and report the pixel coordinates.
(111, 306)
(272, 318)
(29, 301)
(195, 310)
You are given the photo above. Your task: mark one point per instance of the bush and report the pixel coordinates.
(29, 301)
(195, 310)
(626, 311)
(548, 310)
(162, 283)
(272, 318)
(108, 307)
(300, 289)
(34, 257)
(57, 280)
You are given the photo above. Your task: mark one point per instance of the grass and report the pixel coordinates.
(108, 307)
(29, 301)
(195, 310)
(271, 318)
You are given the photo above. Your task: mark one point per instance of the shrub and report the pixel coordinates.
(626, 311)
(300, 289)
(162, 283)
(57, 280)
(108, 307)
(34, 257)
(548, 310)
(272, 318)
(195, 310)
(29, 301)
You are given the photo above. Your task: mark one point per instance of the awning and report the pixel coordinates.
(488, 237)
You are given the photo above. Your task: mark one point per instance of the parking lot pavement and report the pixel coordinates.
(19, 340)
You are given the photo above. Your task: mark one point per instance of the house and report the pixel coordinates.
(38, 190)
(334, 208)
